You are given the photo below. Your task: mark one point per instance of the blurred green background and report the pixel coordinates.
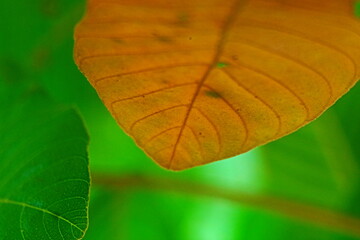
(318, 165)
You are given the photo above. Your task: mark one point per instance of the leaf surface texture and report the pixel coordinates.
(44, 176)
(199, 81)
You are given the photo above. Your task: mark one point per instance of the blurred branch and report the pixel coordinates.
(328, 219)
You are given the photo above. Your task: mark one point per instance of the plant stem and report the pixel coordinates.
(325, 218)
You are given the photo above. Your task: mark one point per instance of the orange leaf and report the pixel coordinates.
(196, 81)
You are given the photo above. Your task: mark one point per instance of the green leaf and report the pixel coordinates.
(44, 176)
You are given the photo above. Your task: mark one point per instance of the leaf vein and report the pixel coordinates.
(152, 92)
(25, 205)
(277, 28)
(257, 71)
(237, 113)
(198, 142)
(219, 49)
(216, 130)
(152, 114)
(149, 70)
(298, 62)
(118, 54)
(230, 76)
(159, 134)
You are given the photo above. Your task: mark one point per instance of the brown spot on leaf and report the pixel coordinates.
(182, 19)
(212, 94)
(161, 38)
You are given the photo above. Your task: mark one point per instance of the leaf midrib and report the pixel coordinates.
(235, 9)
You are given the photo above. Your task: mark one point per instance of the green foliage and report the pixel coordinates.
(316, 166)
(44, 178)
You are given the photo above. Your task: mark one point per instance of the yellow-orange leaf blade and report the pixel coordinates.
(198, 81)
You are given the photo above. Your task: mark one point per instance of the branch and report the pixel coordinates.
(328, 219)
